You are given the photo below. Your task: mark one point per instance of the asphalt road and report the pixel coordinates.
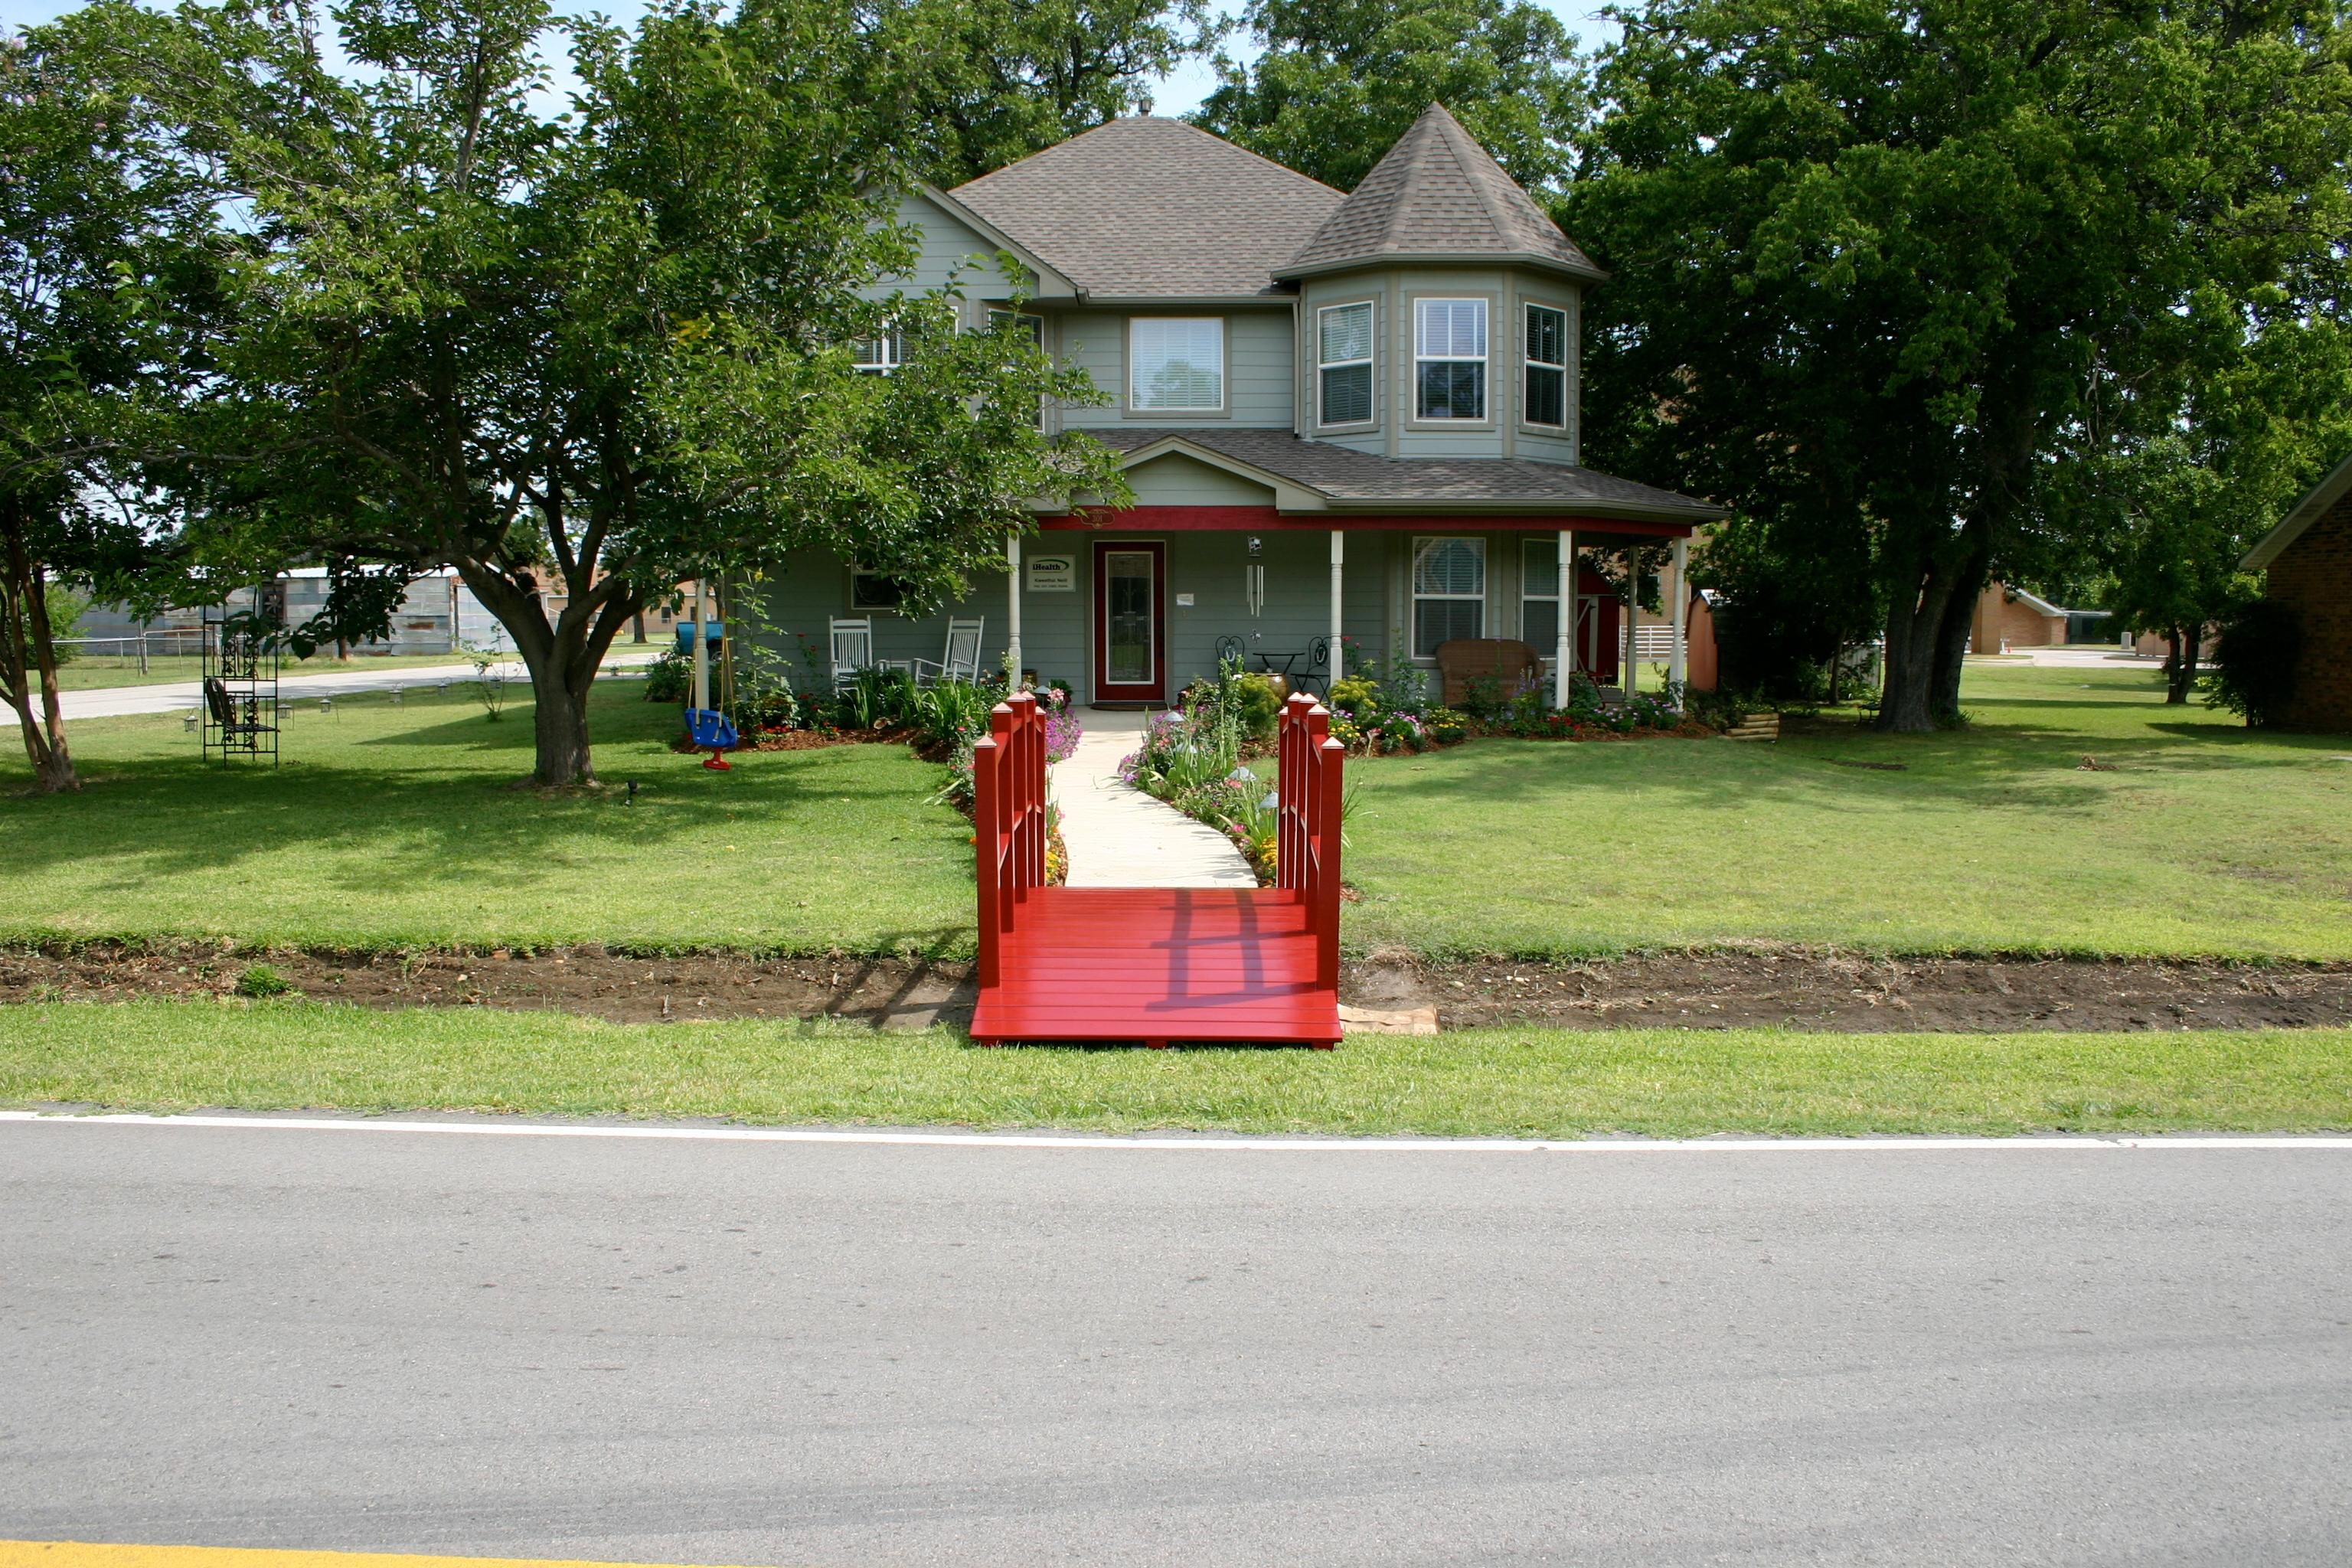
(740, 1353)
(362, 674)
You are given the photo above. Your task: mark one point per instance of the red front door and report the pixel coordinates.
(1131, 631)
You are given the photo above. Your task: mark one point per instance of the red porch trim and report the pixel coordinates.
(1267, 520)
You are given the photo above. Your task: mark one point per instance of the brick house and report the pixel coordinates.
(2308, 559)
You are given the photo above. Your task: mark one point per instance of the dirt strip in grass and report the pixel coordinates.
(280, 1056)
(1779, 987)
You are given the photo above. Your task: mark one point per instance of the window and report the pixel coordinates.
(1449, 356)
(1344, 354)
(873, 589)
(1032, 327)
(1539, 594)
(1175, 363)
(1449, 592)
(1546, 367)
(880, 356)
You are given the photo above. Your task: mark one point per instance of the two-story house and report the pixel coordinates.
(1341, 414)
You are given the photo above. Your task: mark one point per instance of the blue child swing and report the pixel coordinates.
(713, 730)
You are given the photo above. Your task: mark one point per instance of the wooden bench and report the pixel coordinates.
(1513, 665)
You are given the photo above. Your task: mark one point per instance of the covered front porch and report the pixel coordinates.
(1129, 608)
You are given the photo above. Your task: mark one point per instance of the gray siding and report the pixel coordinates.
(948, 248)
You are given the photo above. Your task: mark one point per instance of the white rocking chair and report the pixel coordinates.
(961, 660)
(852, 651)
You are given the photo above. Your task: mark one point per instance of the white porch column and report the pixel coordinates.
(701, 639)
(1012, 609)
(1564, 642)
(1629, 676)
(1679, 671)
(1337, 667)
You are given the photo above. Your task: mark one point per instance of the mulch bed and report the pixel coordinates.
(1795, 989)
(800, 741)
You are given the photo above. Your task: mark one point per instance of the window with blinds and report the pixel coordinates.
(1449, 352)
(1546, 367)
(1176, 363)
(1344, 358)
(1449, 592)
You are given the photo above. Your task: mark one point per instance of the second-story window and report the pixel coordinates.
(880, 356)
(1176, 365)
(1032, 329)
(1344, 362)
(1546, 367)
(1449, 352)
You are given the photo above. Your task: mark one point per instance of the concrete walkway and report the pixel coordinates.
(1117, 836)
(170, 696)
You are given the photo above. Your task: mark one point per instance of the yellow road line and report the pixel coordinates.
(84, 1554)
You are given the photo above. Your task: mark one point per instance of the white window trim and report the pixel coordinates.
(1527, 361)
(1224, 369)
(1413, 596)
(1486, 413)
(1369, 362)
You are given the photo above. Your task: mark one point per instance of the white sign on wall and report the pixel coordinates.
(1053, 573)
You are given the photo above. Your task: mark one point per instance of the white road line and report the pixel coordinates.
(2037, 1143)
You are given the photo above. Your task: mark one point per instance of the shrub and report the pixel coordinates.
(2254, 662)
(261, 981)
(1255, 704)
(670, 676)
(1359, 696)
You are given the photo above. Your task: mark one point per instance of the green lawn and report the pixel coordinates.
(397, 826)
(162, 1056)
(389, 827)
(91, 674)
(2202, 838)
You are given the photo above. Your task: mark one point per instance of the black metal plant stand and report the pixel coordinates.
(240, 688)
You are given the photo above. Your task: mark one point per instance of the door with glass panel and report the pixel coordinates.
(1130, 622)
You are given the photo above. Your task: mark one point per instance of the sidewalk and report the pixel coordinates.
(1117, 836)
(114, 701)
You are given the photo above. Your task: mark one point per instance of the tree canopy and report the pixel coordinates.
(1340, 81)
(1883, 272)
(596, 351)
(107, 275)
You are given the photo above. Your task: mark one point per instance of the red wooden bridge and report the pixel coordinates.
(1159, 965)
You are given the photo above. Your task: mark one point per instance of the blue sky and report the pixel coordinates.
(1175, 94)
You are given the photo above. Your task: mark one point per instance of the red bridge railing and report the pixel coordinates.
(1307, 823)
(1008, 792)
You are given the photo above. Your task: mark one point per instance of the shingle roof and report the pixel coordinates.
(1146, 208)
(1349, 478)
(1436, 194)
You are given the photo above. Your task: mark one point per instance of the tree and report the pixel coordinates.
(2211, 466)
(982, 83)
(104, 275)
(604, 350)
(1340, 81)
(1879, 268)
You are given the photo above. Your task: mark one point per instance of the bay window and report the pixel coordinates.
(1344, 362)
(1546, 371)
(1449, 353)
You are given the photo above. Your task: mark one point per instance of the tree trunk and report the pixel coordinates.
(562, 658)
(2180, 669)
(31, 651)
